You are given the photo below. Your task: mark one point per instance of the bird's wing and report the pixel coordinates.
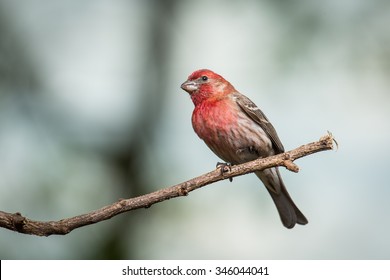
(258, 116)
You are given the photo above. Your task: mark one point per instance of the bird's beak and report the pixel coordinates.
(189, 86)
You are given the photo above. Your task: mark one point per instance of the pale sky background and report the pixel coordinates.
(91, 111)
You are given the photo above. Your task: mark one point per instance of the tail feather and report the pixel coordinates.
(288, 211)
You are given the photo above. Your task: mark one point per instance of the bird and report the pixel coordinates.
(237, 131)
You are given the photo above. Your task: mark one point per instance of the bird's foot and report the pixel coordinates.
(225, 167)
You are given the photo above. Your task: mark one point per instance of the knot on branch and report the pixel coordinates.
(18, 221)
(182, 191)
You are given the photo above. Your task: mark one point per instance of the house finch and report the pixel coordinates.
(237, 131)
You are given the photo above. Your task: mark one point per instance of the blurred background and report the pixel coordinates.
(91, 111)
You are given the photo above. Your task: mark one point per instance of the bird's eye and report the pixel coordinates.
(204, 78)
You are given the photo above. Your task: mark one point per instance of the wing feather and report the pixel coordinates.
(258, 116)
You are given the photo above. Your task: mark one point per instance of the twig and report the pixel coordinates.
(16, 222)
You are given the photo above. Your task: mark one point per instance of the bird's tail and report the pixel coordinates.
(288, 211)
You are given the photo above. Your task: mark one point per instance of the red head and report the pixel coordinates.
(204, 84)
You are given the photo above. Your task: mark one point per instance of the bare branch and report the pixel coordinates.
(16, 222)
